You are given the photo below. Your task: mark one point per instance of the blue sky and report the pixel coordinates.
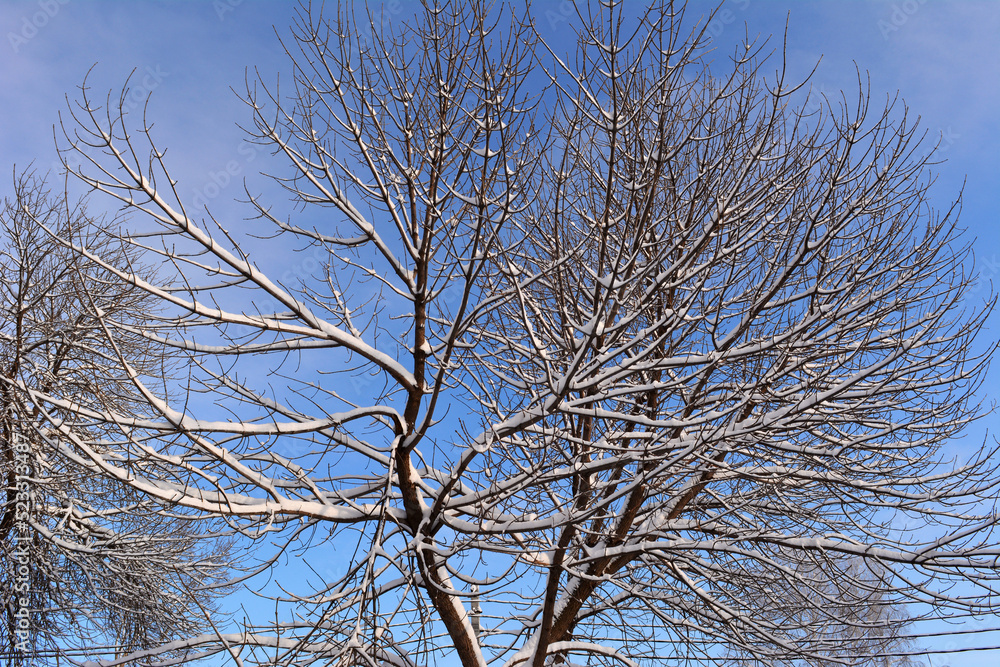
(940, 57)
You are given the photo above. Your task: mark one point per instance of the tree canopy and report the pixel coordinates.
(657, 354)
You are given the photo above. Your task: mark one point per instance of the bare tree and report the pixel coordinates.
(105, 568)
(660, 362)
(841, 608)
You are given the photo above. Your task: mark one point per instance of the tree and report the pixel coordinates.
(842, 613)
(657, 360)
(102, 565)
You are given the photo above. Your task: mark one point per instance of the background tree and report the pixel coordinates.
(659, 361)
(108, 567)
(842, 613)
